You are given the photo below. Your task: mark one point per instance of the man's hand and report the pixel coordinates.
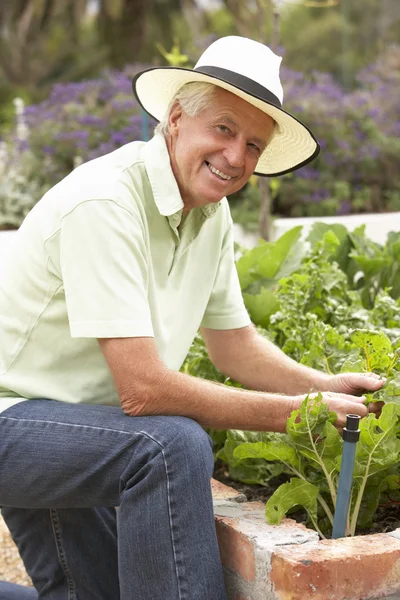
(342, 405)
(356, 384)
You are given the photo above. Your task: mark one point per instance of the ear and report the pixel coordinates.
(175, 115)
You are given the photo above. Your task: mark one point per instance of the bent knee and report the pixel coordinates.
(193, 444)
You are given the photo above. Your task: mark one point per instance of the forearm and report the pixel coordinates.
(211, 404)
(147, 387)
(260, 365)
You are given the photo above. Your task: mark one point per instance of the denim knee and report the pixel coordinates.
(194, 446)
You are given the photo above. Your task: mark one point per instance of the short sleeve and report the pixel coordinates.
(225, 308)
(104, 268)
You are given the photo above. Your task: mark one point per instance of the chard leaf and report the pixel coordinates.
(370, 266)
(378, 447)
(270, 451)
(319, 229)
(261, 306)
(294, 493)
(353, 364)
(390, 482)
(391, 391)
(369, 503)
(314, 435)
(271, 260)
(237, 437)
(376, 346)
(255, 472)
(250, 470)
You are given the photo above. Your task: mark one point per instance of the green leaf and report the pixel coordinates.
(236, 437)
(317, 232)
(294, 493)
(269, 451)
(271, 260)
(391, 391)
(255, 472)
(314, 435)
(376, 346)
(378, 447)
(249, 470)
(261, 306)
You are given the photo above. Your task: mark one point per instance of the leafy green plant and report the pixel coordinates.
(325, 302)
(313, 455)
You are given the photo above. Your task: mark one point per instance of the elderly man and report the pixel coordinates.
(112, 274)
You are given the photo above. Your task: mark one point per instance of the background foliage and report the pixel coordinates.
(71, 60)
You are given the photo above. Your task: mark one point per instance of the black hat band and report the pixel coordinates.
(243, 83)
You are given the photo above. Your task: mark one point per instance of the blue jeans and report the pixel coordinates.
(63, 470)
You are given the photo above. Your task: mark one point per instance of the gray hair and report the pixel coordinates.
(193, 98)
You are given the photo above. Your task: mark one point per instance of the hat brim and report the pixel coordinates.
(291, 146)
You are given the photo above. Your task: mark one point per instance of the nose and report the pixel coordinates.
(235, 152)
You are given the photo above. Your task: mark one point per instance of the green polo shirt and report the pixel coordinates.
(101, 256)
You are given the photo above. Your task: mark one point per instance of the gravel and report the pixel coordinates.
(11, 566)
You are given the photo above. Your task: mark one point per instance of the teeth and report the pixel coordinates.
(219, 173)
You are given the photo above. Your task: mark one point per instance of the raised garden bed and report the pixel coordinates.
(289, 562)
(386, 518)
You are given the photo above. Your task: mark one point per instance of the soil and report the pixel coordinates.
(387, 518)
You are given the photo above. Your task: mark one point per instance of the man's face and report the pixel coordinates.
(214, 154)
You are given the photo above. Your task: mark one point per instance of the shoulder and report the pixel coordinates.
(117, 176)
(115, 179)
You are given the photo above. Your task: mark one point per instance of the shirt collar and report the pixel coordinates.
(163, 183)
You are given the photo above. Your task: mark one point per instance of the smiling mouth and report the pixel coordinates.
(218, 173)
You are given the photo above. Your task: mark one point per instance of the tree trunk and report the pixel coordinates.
(123, 31)
(264, 220)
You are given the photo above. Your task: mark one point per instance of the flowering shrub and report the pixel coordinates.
(359, 136)
(76, 123)
(358, 132)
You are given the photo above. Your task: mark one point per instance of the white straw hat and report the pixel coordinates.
(251, 71)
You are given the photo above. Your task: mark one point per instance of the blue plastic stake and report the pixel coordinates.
(351, 435)
(145, 126)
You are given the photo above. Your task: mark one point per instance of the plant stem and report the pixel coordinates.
(367, 358)
(326, 508)
(320, 499)
(360, 494)
(392, 363)
(321, 463)
(317, 529)
(327, 365)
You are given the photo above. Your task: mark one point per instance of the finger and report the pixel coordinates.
(376, 376)
(375, 407)
(349, 397)
(370, 381)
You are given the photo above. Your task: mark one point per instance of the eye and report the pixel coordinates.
(224, 129)
(255, 148)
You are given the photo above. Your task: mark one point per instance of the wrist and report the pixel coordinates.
(321, 382)
(295, 402)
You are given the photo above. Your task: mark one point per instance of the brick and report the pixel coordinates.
(220, 491)
(289, 562)
(355, 568)
(246, 543)
(236, 549)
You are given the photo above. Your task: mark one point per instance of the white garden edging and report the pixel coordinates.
(377, 226)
